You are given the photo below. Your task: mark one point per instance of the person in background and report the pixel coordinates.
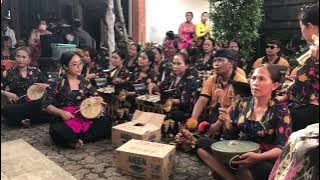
(134, 50)
(7, 31)
(21, 111)
(303, 94)
(273, 48)
(119, 75)
(186, 32)
(34, 41)
(204, 62)
(158, 58)
(235, 46)
(260, 119)
(203, 29)
(90, 69)
(81, 37)
(6, 50)
(143, 75)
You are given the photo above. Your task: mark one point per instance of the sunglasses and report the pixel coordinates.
(271, 46)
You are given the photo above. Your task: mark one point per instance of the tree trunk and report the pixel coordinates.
(110, 20)
(119, 9)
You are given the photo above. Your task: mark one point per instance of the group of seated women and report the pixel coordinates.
(263, 117)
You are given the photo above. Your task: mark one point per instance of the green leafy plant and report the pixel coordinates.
(238, 19)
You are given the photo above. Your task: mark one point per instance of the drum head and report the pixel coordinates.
(34, 92)
(90, 108)
(235, 146)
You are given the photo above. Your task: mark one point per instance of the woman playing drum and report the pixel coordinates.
(63, 100)
(260, 119)
(14, 84)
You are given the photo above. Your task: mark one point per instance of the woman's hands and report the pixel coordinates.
(13, 98)
(248, 159)
(65, 115)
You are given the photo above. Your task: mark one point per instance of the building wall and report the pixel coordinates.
(165, 15)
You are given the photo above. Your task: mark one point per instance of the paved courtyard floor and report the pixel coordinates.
(95, 160)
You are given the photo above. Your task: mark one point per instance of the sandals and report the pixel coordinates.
(26, 123)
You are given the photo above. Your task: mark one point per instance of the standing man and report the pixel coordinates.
(203, 29)
(7, 31)
(82, 38)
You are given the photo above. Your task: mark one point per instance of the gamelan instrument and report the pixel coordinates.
(230, 150)
(107, 90)
(91, 108)
(34, 92)
(149, 103)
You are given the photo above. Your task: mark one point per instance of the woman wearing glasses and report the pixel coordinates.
(63, 100)
(272, 56)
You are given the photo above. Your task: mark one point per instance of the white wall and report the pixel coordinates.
(165, 15)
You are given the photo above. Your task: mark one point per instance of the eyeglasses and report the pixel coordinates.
(77, 65)
(271, 46)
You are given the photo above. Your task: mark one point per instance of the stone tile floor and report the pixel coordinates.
(95, 160)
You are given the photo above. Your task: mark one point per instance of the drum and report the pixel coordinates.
(90, 108)
(34, 92)
(230, 150)
(6, 64)
(149, 103)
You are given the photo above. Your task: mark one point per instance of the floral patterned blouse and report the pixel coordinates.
(165, 70)
(271, 131)
(305, 89)
(185, 90)
(13, 81)
(60, 94)
(203, 66)
(94, 69)
(122, 74)
(300, 157)
(139, 85)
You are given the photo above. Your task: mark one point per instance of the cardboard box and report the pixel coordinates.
(144, 126)
(145, 159)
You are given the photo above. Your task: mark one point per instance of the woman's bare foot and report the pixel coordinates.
(77, 145)
(26, 123)
(210, 173)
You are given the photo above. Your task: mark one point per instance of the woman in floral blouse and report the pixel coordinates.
(14, 85)
(260, 119)
(119, 75)
(181, 87)
(143, 75)
(90, 69)
(303, 95)
(63, 100)
(204, 62)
